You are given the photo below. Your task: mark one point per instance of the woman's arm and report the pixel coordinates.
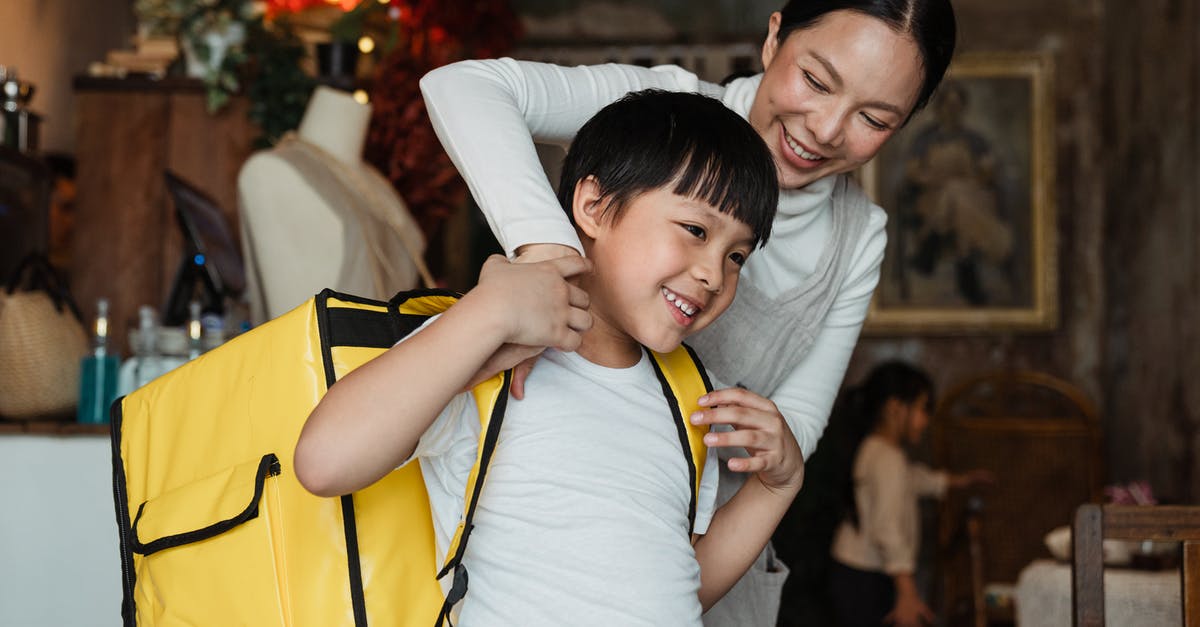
(806, 395)
(488, 114)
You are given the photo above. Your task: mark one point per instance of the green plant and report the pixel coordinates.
(277, 88)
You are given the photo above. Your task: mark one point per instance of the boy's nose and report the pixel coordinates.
(709, 273)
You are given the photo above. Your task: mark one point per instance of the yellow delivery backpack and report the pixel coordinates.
(216, 530)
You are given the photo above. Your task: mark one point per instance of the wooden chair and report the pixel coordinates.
(1040, 436)
(1095, 523)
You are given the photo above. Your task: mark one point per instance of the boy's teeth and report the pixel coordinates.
(678, 302)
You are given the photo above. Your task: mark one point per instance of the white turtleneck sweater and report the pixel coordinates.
(488, 114)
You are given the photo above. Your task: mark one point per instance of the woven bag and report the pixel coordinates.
(41, 343)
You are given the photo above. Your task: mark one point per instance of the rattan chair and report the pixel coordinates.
(1041, 438)
(1095, 523)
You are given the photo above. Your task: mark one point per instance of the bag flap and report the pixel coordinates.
(202, 509)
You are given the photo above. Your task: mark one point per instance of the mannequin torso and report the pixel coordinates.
(314, 215)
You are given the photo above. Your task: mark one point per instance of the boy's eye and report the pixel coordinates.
(738, 258)
(816, 84)
(695, 230)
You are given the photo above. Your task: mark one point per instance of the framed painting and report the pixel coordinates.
(968, 186)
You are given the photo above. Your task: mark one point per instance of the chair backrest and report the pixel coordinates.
(1096, 523)
(1041, 438)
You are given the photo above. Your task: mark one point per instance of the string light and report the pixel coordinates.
(361, 97)
(366, 44)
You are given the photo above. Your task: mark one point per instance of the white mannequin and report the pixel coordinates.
(299, 237)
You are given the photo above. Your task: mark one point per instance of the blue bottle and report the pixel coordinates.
(98, 374)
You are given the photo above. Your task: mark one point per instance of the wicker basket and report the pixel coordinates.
(41, 343)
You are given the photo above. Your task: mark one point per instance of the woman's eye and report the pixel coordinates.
(694, 230)
(816, 84)
(875, 124)
(738, 258)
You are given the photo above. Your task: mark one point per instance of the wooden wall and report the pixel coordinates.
(1127, 135)
(1151, 134)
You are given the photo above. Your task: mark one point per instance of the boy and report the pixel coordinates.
(584, 515)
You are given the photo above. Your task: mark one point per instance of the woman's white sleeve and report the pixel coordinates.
(489, 113)
(806, 395)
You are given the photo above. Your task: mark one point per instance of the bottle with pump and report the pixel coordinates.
(98, 373)
(145, 365)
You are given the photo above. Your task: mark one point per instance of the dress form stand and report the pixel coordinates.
(314, 215)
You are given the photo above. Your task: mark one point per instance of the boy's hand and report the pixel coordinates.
(534, 302)
(760, 429)
(530, 253)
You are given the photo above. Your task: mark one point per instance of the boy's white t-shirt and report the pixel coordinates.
(583, 519)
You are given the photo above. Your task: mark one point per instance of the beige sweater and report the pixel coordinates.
(886, 489)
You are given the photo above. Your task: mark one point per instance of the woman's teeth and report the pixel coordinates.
(800, 151)
(688, 310)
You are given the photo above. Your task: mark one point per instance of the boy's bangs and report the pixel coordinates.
(734, 192)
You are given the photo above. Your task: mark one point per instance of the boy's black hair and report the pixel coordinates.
(653, 139)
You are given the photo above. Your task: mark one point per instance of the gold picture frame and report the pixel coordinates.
(968, 185)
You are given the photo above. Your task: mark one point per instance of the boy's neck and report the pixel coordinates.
(604, 346)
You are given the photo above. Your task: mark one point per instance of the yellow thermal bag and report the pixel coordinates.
(216, 530)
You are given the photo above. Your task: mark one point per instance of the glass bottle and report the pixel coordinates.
(144, 366)
(98, 373)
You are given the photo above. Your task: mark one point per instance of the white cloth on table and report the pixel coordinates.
(1132, 598)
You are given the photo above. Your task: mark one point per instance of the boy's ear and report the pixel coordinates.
(587, 206)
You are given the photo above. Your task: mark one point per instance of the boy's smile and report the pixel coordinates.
(664, 269)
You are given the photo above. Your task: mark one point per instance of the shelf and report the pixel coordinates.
(55, 426)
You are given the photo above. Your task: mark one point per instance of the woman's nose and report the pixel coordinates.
(827, 126)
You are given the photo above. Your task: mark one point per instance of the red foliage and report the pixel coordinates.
(401, 142)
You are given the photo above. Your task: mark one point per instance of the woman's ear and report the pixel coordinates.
(771, 43)
(587, 206)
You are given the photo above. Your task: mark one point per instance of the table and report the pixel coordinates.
(1132, 598)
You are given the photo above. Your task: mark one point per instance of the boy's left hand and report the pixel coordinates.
(759, 428)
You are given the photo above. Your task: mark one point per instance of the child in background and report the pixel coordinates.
(875, 547)
(584, 516)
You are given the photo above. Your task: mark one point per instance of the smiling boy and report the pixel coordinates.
(584, 518)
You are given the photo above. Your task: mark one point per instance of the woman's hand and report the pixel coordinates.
(529, 253)
(760, 429)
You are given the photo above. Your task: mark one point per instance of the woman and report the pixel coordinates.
(875, 547)
(841, 76)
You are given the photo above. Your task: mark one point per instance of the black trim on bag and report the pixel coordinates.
(681, 429)
(343, 326)
(458, 588)
(708, 386)
(268, 466)
(369, 328)
(357, 597)
(485, 458)
(128, 576)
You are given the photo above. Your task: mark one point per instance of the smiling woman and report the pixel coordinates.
(841, 77)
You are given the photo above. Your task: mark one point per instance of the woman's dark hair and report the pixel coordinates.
(930, 23)
(860, 409)
(653, 139)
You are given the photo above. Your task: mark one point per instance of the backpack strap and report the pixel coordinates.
(680, 372)
(684, 380)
